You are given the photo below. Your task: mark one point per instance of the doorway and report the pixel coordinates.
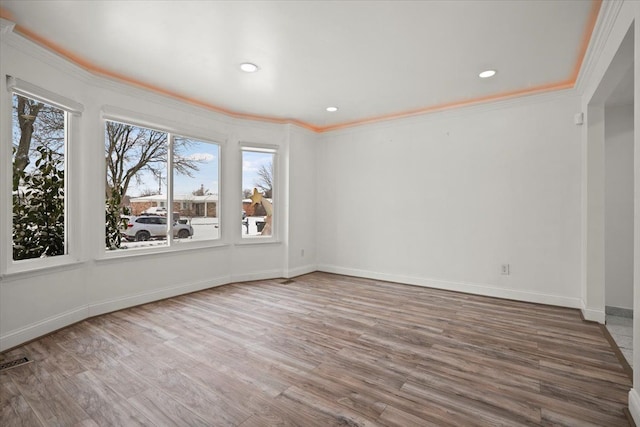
(619, 193)
(611, 194)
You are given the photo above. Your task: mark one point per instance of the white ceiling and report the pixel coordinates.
(369, 58)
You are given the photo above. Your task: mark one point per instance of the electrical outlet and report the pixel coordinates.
(302, 253)
(504, 269)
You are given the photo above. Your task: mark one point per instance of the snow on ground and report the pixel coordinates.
(203, 229)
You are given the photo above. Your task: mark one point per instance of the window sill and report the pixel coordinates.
(176, 248)
(39, 266)
(248, 241)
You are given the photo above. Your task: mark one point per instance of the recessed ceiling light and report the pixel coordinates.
(332, 109)
(248, 67)
(486, 74)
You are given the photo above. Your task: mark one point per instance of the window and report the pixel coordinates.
(153, 175)
(195, 186)
(136, 160)
(257, 192)
(39, 179)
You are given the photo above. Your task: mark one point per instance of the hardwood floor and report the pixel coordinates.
(323, 350)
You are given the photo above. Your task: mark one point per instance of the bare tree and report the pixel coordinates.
(130, 150)
(264, 181)
(39, 125)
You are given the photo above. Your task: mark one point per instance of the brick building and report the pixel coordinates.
(187, 205)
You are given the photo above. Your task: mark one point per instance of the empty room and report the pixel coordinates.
(318, 213)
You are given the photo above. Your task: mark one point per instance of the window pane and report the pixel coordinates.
(39, 216)
(195, 189)
(136, 160)
(257, 193)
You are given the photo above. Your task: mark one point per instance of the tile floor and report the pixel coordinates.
(621, 329)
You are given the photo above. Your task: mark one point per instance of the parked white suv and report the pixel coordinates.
(154, 227)
(155, 210)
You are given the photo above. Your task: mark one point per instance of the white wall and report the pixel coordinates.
(33, 303)
(619, 206)
(302, 215)
(444, 199)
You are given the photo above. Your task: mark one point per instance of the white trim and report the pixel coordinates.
(26, 89)
(99, 81)
(53, 323)
(606, 19)
(177, 248)
(6, 177)
(592, 314)
(299, 271)
(222, 119)
(72, 111)
(115, 304)
(466, 287)
(40, 266)
(257, 240)
(46, 56)
(259, 148)
(277, 204)
(43, 327)
(455, 112)
(258, 275)
(634, 405)
(6, 26)
(170, 201)
(301, 131)
(134, 118)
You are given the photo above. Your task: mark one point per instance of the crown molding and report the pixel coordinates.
(40, 53)
(96, 79)
(124, 115)
(606, 20)
(459, 111)
(294, 129)
(108, 84)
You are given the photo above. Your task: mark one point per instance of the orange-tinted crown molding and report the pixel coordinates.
(5, 14)
(97, 70)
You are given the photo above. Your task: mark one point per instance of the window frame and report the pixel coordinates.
(72, 115)
(187, 135)
(275, 224)
(173, 130)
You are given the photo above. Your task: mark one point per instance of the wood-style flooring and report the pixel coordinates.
(324, 350)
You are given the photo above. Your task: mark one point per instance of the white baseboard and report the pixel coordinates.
(299, 271)
(259, 275)
(593, 314)
(471, 288)
(46, 326)
(155, 295)
(43, 327)
(38, 329)
(634, 405)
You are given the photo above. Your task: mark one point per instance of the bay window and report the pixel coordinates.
(161, 188)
